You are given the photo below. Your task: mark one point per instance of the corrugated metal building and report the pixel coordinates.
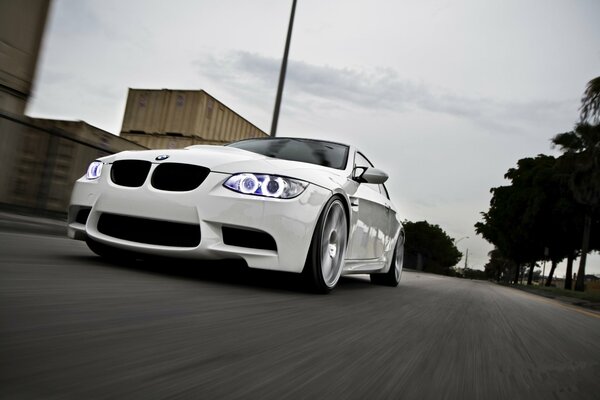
(177, 118)
(21, 29)
(40, 159)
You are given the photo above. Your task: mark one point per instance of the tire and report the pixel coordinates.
(327, 251)
(392, 277)
(109, 253)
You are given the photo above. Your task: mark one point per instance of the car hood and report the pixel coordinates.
(232, 160)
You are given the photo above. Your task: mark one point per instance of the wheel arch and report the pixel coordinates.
(346, 203)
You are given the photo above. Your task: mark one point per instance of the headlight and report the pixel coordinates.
(94, 170)
(265, 185)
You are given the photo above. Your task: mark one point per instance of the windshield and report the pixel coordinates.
(327, 154)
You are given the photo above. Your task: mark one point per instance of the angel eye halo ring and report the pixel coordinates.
(248, 184)
(94, 170)
(265, 185)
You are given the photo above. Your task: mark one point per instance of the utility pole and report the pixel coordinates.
(466, 259)
(282, 72)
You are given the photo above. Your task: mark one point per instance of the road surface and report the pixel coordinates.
(76, 327)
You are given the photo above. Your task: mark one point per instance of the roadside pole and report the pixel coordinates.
(282, 72)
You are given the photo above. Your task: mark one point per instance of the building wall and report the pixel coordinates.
(40, 160)
(166, 118)
(166, 141)
(22, 25)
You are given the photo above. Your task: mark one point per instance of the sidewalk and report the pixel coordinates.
(11, 222)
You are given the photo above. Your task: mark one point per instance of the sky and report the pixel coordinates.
(445, 96)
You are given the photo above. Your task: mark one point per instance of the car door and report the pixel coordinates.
(370, 225)
(393, 222)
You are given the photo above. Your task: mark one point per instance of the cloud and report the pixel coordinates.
(346, 86)
(75, 18)
(309, 86)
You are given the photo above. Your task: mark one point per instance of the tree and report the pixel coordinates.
(581, 158)
(532, 214)
(429, 247)
(590, 102)
(514, 223)
(469, 273)
(498, 267)
(499, 228)
(549, 200)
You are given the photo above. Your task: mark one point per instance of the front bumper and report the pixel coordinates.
(211, 207)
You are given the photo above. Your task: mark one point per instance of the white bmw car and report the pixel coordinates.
(287, 204)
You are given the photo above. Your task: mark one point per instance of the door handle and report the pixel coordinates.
(354, 202)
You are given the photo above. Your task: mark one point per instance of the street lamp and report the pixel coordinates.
(456, 241)
(282, 72)
(467, 255)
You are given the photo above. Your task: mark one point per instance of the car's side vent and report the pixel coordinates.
(82, 215)
(130, 173)
(248, 238)
(175, 177)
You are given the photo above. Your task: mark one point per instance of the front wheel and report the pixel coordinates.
(392, 277)
(327, 251)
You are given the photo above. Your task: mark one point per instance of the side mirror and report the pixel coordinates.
(370, 175)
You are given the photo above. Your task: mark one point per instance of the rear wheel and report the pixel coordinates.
(327, 251)
(392, 277)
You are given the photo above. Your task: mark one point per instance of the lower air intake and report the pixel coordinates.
(149, 231)
(82, 215)
(248, 238)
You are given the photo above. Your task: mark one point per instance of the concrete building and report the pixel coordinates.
(178, 118)
(22, 25)
(40, 159)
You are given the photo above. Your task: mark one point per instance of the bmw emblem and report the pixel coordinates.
(162, 157)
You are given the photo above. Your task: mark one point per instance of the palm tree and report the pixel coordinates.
(582, 156)
(590, 103)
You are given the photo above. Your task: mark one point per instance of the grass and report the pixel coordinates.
(592, 292)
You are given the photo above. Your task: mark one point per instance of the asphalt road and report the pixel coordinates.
(76, 327)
